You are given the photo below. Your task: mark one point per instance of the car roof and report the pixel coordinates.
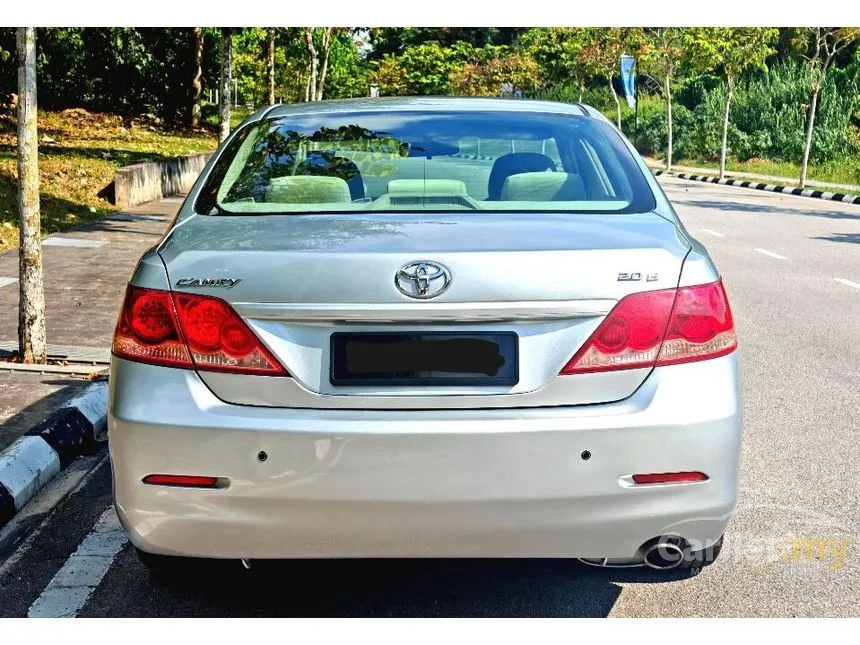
(425, 103)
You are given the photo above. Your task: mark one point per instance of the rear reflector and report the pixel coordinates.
(662, 327)
(190, 331)
(189, 481)
(670, 478)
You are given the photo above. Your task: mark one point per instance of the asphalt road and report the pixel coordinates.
(791, 267)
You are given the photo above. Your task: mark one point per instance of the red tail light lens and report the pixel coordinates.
(702, 326)
(147, 330)
(187, 330)
(660, 328)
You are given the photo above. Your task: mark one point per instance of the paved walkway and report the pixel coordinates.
(86, 271)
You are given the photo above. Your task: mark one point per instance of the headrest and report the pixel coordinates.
(543, 187)
(513, 164)
(308, 189)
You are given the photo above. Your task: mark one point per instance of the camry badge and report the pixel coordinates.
(422, 279)
(216, 283)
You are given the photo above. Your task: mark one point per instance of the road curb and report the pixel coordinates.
(38, 456)
(772, 188)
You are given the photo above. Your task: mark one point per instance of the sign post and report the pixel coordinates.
(628, 79)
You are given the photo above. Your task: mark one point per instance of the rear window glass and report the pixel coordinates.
(441, 161)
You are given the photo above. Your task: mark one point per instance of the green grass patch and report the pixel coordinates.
(79, 153)
(841, 171)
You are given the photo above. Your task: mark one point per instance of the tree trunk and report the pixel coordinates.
(226, 81)
(312, 73)
(617, 102)
(326, 43)
(668, 91)
(270, 67)
(32, 343)
(810, 124)
(197, 81)
(729, 95)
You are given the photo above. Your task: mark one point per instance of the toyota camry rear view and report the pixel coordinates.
(426, 327)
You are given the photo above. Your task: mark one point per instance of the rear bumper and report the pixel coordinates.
(449, 483)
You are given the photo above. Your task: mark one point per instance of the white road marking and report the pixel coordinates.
(73, 241)
(770, 254)
(714, 233)
(856, 285)
(70, 589)
(5, 282)
(128, 217)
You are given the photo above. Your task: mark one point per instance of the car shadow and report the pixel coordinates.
(401, 588)
(776, 209)
(848, 238)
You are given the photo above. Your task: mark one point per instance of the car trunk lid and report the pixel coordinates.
(547, 278)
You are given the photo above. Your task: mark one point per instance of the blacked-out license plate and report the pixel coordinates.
(424, 358)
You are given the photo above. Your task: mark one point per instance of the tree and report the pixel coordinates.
(735, 49)
(226, 81)
(32, 343)
(600, 56)
(324, 53)
(556, 50)
(826, 43)
(313, 63)
(318, 59)
(270, 66)
(666, 51)
(490, 66)
(197, 81)
(663, 52)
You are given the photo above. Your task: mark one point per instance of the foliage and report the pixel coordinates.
(556, 50)
(488, 68)
(767, 121)
(388, 41)
(135, 71)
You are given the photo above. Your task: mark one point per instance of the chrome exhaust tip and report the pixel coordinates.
(664, 555)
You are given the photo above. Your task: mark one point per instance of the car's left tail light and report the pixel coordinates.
(189, 331)
(654, 328)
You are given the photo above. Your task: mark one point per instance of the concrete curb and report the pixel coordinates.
(37, 457)
(148, 181)
(773, 188)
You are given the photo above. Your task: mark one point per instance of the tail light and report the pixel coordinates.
(190, 331)
(663, 327)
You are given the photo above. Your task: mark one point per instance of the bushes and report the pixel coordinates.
(768, 117)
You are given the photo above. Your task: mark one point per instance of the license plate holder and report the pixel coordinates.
(424, 358)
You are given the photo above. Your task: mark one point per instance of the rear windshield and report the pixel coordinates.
(440, 161)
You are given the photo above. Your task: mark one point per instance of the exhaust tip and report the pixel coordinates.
(664, 554)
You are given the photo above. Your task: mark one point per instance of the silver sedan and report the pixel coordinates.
(426, 327)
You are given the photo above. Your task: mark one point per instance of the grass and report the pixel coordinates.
(79, 153)
(841, 171)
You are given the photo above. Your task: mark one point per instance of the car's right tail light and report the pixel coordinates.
(190, 331)
(662, 327)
